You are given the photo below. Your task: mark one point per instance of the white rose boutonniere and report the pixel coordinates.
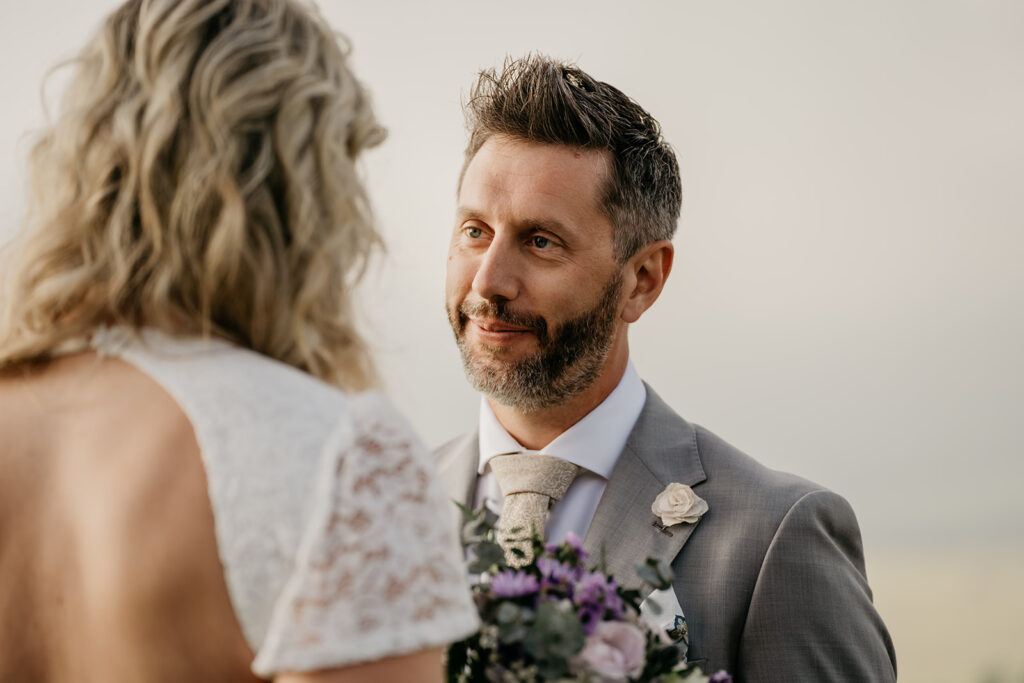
(677, 504)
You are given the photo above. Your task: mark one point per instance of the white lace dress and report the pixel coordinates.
(333, 532)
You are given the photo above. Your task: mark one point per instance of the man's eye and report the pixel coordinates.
(475, 232)
(541, 242)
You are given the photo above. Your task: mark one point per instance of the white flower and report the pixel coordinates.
(613, 653)
(678, 503)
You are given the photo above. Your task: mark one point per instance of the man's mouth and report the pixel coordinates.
(495, 326)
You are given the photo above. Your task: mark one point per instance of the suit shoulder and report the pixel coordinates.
(454, 445)
(733, 473)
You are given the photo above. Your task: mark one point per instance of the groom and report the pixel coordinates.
(567, 204)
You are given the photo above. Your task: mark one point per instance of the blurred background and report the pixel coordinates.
(847, 296)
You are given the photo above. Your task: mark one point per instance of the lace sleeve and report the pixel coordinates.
(379, 572)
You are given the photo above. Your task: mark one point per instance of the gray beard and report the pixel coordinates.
(566, 362)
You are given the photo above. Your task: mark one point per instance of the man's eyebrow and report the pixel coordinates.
(464, 213)
(548, 224)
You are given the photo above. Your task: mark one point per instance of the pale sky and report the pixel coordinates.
(847, 294)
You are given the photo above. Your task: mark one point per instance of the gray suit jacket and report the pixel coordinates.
(771, 579)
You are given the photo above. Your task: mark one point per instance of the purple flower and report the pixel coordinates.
(512, 583)
(590, 589)
(612, 601)
(720, 676)
(590, 616)
(553, 572)
(595, 592)
(574, 543)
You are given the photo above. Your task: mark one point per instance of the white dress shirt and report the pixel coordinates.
(594, 443)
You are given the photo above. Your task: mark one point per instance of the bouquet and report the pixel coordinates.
(555, 620)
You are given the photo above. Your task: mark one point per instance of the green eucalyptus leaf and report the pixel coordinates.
(467, 512)
(489, 517)
(471, 534)
(508, 612)
(512, 633)
(663, 570)
(647, 574)
(662, 660)
(478, 526)
(486, 554)
(655, 572)
(631, 597)
(556, 632)
(552, 669)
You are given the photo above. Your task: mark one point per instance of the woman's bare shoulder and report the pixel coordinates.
(107, 495)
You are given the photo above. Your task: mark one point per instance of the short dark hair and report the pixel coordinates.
(539, 99)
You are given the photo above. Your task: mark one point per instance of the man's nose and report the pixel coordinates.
(497, 275)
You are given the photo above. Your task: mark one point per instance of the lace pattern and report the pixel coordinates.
(332, 530)
(379, 572)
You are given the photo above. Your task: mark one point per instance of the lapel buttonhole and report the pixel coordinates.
(661, 527)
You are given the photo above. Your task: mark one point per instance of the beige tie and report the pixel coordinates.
(531, 484)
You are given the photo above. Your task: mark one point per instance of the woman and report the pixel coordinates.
(190, 488)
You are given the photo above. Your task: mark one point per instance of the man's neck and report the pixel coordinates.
(535, 430)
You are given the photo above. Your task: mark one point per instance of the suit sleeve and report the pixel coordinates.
(811, 616)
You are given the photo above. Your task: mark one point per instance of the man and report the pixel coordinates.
(567, 204)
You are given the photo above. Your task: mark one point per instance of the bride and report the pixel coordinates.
(194, 483)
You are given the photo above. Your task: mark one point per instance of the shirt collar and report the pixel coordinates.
(594, 443)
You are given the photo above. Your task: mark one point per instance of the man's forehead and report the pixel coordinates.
(533, 176)
(519, 151)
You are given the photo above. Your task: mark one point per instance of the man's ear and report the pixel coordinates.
(645, 275)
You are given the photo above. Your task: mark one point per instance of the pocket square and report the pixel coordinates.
(661, 610)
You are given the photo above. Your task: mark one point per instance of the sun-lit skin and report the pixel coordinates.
(530, 230)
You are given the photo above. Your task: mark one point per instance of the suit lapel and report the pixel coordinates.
(457, 464)
(661, 449)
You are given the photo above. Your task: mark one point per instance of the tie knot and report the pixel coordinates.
(533, 473)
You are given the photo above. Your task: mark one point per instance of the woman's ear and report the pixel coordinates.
(646, 271)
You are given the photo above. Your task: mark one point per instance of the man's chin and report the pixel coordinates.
(489, 365)
(486, 365)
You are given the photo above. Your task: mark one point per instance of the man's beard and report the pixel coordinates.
(569, 359)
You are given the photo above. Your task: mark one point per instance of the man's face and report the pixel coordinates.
(533, 286)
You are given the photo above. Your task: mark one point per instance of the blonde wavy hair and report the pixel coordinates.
(201, 179)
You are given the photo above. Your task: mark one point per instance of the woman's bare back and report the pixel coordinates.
(108, 561)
